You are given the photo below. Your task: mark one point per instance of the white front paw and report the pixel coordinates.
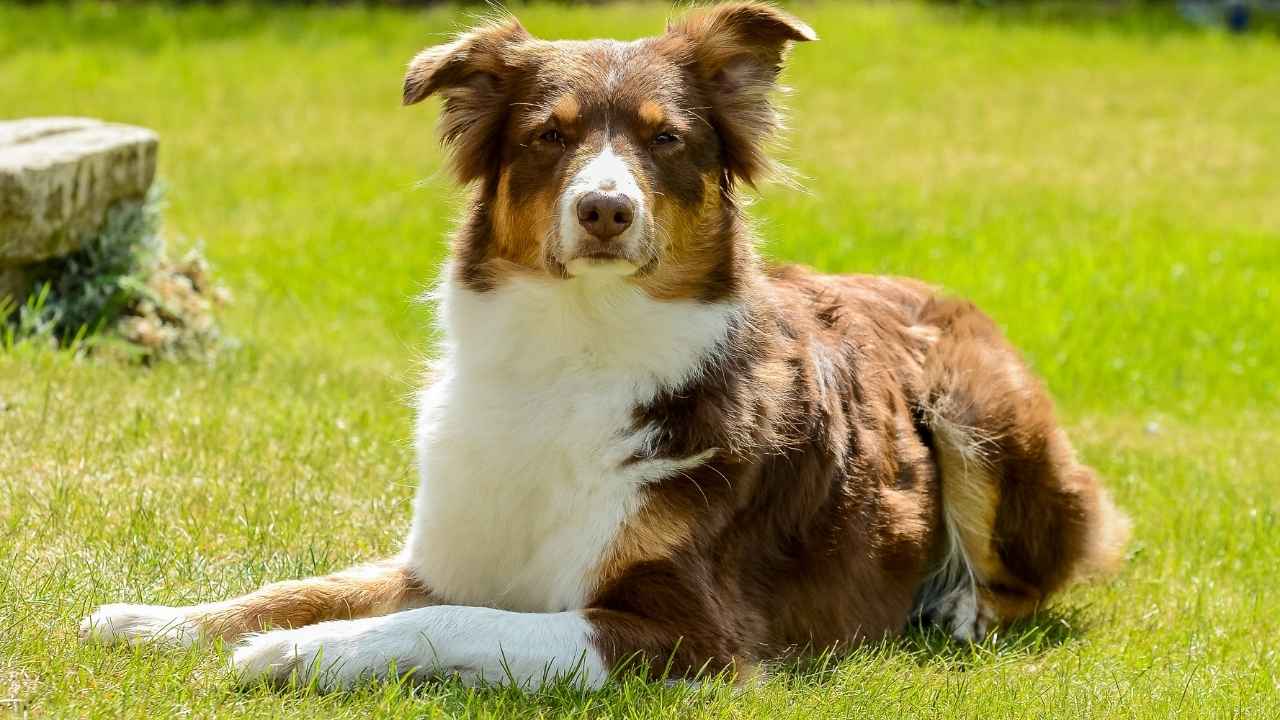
(137, 624)
(332, 655)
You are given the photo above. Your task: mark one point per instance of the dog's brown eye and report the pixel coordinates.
(665, 138)
(552, 136)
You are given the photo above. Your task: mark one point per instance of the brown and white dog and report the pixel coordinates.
(642, 444)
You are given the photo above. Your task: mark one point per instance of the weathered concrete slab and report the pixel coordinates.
(58, 177)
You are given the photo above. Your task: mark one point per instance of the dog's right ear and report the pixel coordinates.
(472, 74)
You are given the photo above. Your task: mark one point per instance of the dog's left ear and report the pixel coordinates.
(473, 74)
(737, 50)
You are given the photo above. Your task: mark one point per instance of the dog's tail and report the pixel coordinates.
(1021, 516)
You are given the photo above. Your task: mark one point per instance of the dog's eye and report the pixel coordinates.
(552, 136)
(665, 138)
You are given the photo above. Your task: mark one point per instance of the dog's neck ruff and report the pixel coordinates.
(527, 436)
(535, 330)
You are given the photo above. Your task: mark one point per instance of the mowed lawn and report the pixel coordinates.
(1110, 194)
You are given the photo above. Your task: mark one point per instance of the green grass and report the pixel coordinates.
(1111, 196)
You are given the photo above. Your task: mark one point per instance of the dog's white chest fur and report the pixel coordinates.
(523, 435)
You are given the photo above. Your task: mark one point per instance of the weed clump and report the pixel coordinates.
(122, 293)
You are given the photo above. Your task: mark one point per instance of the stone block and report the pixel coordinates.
(58, 177)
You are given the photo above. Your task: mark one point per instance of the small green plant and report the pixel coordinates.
(121, 286)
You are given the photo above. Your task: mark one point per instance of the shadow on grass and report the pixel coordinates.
(1034, 635)
(928, 645)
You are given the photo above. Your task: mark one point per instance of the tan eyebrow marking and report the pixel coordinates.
(651, 113)
(566, 109)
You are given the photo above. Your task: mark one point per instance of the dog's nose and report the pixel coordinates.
(605, 215)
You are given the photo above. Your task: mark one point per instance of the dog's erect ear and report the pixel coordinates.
(472, 74)
(737, 50)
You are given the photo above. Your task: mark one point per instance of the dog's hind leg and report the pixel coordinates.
(1022, 516)
(364, 591)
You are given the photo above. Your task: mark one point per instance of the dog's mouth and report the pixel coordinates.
(602, 256)
(617, 259)
(601, 263)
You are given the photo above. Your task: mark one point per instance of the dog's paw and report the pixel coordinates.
(963, 614)
(139, 624)
(329, 656)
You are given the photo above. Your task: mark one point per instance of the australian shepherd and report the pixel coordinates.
(642, 444)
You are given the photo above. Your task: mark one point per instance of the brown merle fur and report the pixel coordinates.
(820, 519)
(865, 431)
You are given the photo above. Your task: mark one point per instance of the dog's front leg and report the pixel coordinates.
(483, 645)
(480, 645)
(362, 591)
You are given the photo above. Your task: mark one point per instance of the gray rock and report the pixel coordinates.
(58, 177)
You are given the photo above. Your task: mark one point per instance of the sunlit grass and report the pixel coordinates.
(1112, 197)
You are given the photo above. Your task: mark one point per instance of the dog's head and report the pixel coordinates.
(607, 158)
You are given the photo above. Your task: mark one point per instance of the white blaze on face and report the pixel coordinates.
(606, 172)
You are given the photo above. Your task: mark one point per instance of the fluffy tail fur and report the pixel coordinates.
(1020, 514)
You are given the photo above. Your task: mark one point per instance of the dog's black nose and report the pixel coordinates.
(605, 214)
